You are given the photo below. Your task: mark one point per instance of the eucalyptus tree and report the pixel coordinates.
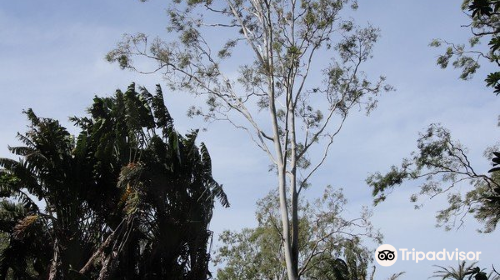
(128, 198)
(441, 166)
(331, 245)
(287, 72)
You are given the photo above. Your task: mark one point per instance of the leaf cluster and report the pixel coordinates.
(484, 17)
(441, 166)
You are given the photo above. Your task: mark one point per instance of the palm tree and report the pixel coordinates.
(464, 272)
(116, 197)
(48, 172)
(23, 253)
(167, 190)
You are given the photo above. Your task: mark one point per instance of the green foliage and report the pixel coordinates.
(493, 80)
(484, 16)
(129, 198)
(190, 63)
(465, 272)
(440, 166)
(331, 244)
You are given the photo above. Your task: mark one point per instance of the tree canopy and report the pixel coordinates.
(288, 73)
(128, 198)
(332, 246)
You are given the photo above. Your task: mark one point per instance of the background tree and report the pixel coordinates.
(331, 245)
(484, 16)
(442, 166)
(272, 88)
(129, 198)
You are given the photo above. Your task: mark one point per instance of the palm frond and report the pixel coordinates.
(215, 188)
(21, 151)
(160, 111)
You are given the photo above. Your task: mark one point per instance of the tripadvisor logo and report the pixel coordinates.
(387, 255)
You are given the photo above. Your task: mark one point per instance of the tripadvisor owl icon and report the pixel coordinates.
(386, 255)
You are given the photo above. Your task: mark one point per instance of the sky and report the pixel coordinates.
(52, 60)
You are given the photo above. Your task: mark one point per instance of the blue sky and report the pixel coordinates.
(52, 60)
